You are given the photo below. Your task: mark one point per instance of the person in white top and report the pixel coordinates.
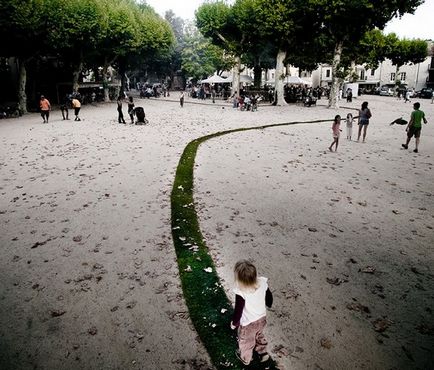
(252, 295)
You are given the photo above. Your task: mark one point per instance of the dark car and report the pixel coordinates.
(426, 93)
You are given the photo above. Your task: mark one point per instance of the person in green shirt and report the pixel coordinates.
(414, 126)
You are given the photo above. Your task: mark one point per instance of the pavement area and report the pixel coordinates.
(88, 273)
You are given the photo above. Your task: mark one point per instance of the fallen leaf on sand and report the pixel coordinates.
(37, 244)
(354, 306)
(57, 313)
(334, 281)
(382, 325)
(326, 343)
(93, 330)
(312, 229)
(416, 271)
(77, 238)
(368, 270)
(281, 351)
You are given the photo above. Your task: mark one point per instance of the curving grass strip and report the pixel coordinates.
(209, 307)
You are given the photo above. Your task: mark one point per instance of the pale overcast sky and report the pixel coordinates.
(417, 25)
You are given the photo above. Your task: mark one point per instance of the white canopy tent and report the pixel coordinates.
(243, 78)
(292, 80)
(215, 79)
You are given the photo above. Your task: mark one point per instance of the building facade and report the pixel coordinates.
(412, 76)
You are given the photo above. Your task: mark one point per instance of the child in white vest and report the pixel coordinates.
(251, 296)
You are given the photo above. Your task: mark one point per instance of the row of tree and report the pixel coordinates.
(304, 33)
(82, 35)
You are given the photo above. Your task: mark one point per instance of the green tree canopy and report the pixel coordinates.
(200, 58)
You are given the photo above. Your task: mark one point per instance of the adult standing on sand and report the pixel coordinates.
(364, 116)
(181, 99)
(119, 108)
(77, 106)
(45, 106)
(64, 107)
(415, 126)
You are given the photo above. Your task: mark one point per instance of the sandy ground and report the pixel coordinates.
(88, 271)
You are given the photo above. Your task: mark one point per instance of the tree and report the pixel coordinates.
(23, 31)
(175, 60)
(119, 35)
(156, 40)
(405, 51)
(73, 29)
(346, 22)
(292, 26)
(200, 58)
(216, 22)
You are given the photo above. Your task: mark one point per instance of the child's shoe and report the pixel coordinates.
(415, 150)
(238, 354)
(405, 146)
(264, 357)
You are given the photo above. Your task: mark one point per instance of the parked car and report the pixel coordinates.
(386, 91)
(426, 93)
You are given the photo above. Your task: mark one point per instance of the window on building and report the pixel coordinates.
(403, 76)
(392, 77)
(327, 72)
(372, 72)
(362, 74)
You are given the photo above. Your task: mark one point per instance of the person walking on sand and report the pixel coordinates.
(252, 295)
(364, 116)
(407, 96)
(64, 107)
(77, 106)
(336, 132)
(120, 114)
(349, 122)
(131, 109)
(181, 99)
(45, 107)
(415, 126)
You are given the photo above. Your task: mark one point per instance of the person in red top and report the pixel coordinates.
(45, 107)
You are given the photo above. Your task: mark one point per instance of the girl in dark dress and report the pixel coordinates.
(131, 109)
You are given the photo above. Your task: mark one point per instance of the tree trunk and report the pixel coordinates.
(105, 81)
(22, 80)
(396, 74)
(333, 98)
(122, 75)
(76, 72)
(279, 77)
(236, 77)
(353, 71)
(257, 71)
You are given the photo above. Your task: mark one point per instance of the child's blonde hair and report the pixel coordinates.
(245, 273)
